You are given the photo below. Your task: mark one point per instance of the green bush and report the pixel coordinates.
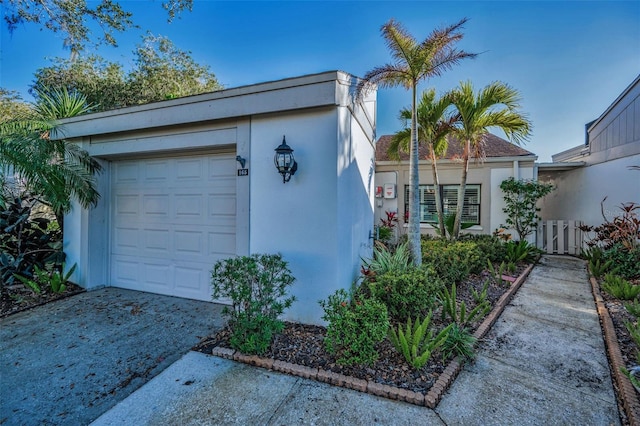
(416, 342)
(453, 261)
(257, 286)
(457, 311)
(521, 251)
(626, 260)
(355, 327)
(387, 260)
(620, 288)
(459, 342)
(633, 308)
(411, 293)
(491, 247)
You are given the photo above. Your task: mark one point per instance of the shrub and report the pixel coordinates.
(406, 294)
(257, 286)
(416, 342)
(26, 242)
(627, 260)
(490, 246)
(620, 288)
(386, 260)
(457, 311)
(453, 261)
(520, 251)
(356, 325)
(459, 342)
(633, 308)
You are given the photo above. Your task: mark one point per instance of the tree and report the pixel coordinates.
(102, 83)
(496, 105)
(435, 123)
(51, 168)
(521, 197)
(161, 71)
(74, 19)
(165, 72)
(412, 63)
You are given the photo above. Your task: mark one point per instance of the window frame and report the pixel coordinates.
(428, 205)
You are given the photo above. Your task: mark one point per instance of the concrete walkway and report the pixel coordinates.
(543, 363)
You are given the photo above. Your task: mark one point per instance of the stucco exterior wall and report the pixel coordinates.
(320, 220)
(579, 192)
(488, 175)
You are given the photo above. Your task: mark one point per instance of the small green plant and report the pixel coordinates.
(416, 342)
(29, 283)
(449, 222)
(356, 325)
(599, 267)
(410, 293)
(620, 288)
(459, 342)
(497, 273)
(520, 251)
(386, 260)
(512, 267)
(58, 280)
(453, 261)
(457, 311)
(521, 197)
(633, 308)
(634, 331)
(480, 297)
(257, 286)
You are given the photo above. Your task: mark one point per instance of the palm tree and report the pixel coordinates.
(494, 106)
(412, 63)
(50, 167)
(435, 123)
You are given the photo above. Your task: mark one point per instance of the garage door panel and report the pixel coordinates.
(172, 219)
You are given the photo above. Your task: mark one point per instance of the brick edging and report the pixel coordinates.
(628, 394)
(430, 399)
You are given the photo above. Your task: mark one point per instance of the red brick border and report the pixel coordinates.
(630, 400)
(430, 399)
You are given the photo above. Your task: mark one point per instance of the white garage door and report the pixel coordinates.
(172, 218)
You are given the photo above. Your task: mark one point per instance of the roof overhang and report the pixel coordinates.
(560, 166)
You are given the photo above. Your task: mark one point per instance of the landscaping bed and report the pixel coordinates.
(303, 345)
(17, 298)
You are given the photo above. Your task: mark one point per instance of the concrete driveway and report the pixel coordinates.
(68, 362)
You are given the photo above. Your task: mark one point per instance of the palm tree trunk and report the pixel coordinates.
(436, 184)
(461, 189)
(414, 184)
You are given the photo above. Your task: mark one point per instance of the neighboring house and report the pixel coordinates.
(604, 166)
(189, 181)
(484, 200)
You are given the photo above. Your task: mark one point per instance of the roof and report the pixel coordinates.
(494, 146)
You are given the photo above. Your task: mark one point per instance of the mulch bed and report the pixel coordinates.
(17, 298)
(304, 345)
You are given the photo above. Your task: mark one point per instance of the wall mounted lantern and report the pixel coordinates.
(285, 163)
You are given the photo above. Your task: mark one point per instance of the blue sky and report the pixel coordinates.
(568, 59)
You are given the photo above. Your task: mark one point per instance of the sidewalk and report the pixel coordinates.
(543, 362)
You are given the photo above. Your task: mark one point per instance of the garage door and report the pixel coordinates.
(172, 219)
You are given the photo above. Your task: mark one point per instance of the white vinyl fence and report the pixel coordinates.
(560, 236)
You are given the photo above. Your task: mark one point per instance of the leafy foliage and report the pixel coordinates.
(356, 325)
(417, 341)
(26, 242)
(53, 169)
(257, 286)
(497, 273)
(633, 308)
(626, 260)
(459, 342)
(624, 229)
(521, 197)
(453, 261)
(408, 293)
(481, 296)
(495, 105)
(521, 251)
(457, 311)
(413, 62)
(386, 260)
(492, 247)
(161, 71)
(71, 18)
(55, 279)
(620, 288)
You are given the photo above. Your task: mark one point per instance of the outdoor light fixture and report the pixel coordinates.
(285, 163)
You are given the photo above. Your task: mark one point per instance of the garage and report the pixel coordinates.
(172, 218)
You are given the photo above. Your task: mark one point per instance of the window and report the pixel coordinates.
(449, 197)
